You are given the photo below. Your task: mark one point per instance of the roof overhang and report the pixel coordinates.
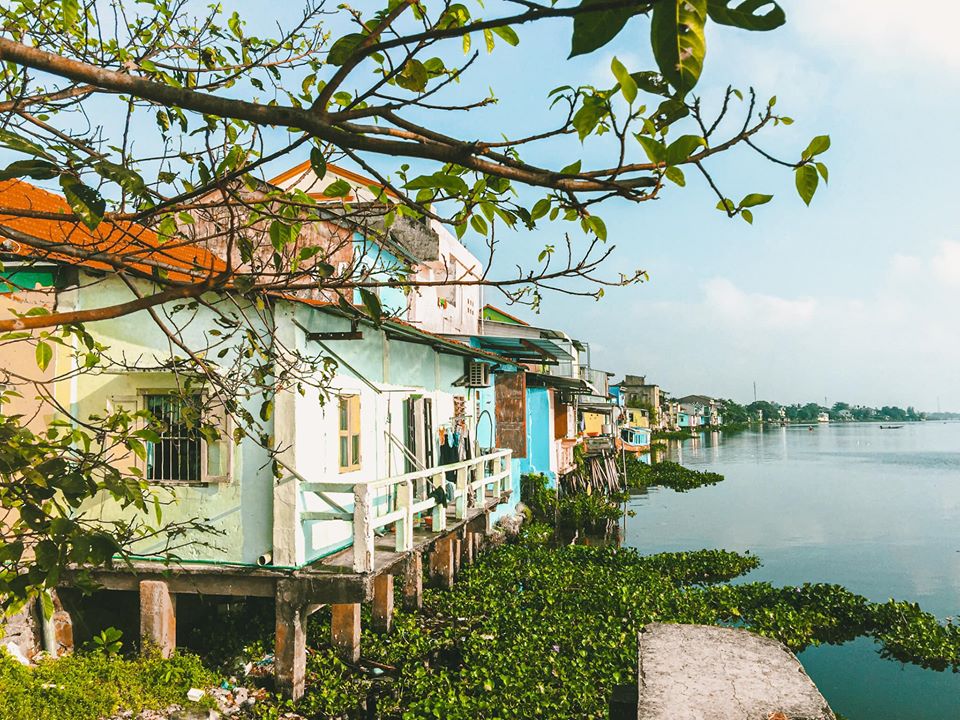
(574, 385)
(525, 349)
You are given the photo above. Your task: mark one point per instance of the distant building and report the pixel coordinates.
(637, 393)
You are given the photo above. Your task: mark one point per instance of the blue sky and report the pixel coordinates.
(851, 299)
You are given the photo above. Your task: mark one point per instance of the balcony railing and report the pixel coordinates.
(408, 497)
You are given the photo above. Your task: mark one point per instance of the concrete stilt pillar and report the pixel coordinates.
(413, 582)
(60, 629)
(441, 563)
(383, 602)
(457, 550)
(345, 630)
(158, 618)
(290, 641)
(467, 548)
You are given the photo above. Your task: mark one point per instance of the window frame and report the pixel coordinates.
(351, 433)
(139, 403)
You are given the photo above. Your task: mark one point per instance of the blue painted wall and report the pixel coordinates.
(381, 261)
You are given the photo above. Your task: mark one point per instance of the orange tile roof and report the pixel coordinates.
(138, 246)
(357, 178)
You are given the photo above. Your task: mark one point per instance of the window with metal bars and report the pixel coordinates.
(176, 456)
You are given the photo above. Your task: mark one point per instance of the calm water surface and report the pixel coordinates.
(875, 510)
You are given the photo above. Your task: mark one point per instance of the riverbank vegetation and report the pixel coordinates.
(530, 625)
(667, 474)
(96, 684)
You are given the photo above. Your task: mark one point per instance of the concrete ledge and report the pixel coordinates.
(699, 672)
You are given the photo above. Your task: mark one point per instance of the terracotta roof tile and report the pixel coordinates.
(136, 244)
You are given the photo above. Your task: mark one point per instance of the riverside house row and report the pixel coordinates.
(428, 421)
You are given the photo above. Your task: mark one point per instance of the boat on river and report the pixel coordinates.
(890, 427)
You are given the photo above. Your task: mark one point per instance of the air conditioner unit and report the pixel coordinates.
(478, 374)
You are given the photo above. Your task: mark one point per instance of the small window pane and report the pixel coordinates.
(356, 450)
(176, 456)
(344, 459)
(344, 413)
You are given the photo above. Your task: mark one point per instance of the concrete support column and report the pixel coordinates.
(61, 629)
(441, 563)
(456, 546)
(383, 602)
(158, 618)
(413, 582)
(290, 641)
(345, 630)
(467, 548)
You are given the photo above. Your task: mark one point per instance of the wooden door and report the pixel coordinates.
(510, 391)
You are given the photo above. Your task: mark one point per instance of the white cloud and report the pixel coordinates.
(894, 341)
(727, 302)
(946, 263)
(883, 34)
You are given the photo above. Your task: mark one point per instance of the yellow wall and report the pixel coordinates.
(593, 423)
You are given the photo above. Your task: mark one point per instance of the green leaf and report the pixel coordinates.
(508, 34)
(85, 201)
(318, 162)
(807, 179)
(745, 14)
(675, 174)
(479, 224)
(36, 169)
(572, 169)
(754, 199)
(586, 119)
(628, 85)
(593, 30)
(372, 304)
(820, 144)
(70, 9)
(747, 215)
(824, 173)
(126, 178)
(655, 150)
(488, 39)
(343, 48)
(651, 82)
(338, 188)
(441, 180)
(413, 76)
(682, 148)
(678, 41)
(598, 227)
(44, 354)
(540, 208)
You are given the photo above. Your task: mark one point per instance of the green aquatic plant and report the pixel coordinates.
(667, 474)
(535, 630)
(579, 511)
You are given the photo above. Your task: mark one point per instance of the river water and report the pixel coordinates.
(877, 511)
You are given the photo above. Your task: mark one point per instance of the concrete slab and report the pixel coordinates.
(699, 672)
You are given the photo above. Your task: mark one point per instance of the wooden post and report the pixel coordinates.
(158, 620)
(467, 549)
(383, 602)
(413, 582)
(405, 524)
(345, 630)
(290, 641)
(463, 492)
(441, 563)
(363, 550)
(456, 544)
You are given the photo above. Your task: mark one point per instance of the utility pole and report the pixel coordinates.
(754, 390)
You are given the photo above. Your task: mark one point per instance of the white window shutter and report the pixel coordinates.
(218, 454)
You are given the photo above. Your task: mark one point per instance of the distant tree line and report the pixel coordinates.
(735, 413)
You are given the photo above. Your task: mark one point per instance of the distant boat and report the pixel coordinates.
(890, 427)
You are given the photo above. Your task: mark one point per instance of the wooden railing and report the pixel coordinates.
(408, 497)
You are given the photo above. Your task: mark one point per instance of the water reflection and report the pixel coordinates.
(875, 510)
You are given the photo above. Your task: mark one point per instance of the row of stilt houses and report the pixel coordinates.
(392, 468)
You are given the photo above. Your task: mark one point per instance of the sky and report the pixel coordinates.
(853, 299)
